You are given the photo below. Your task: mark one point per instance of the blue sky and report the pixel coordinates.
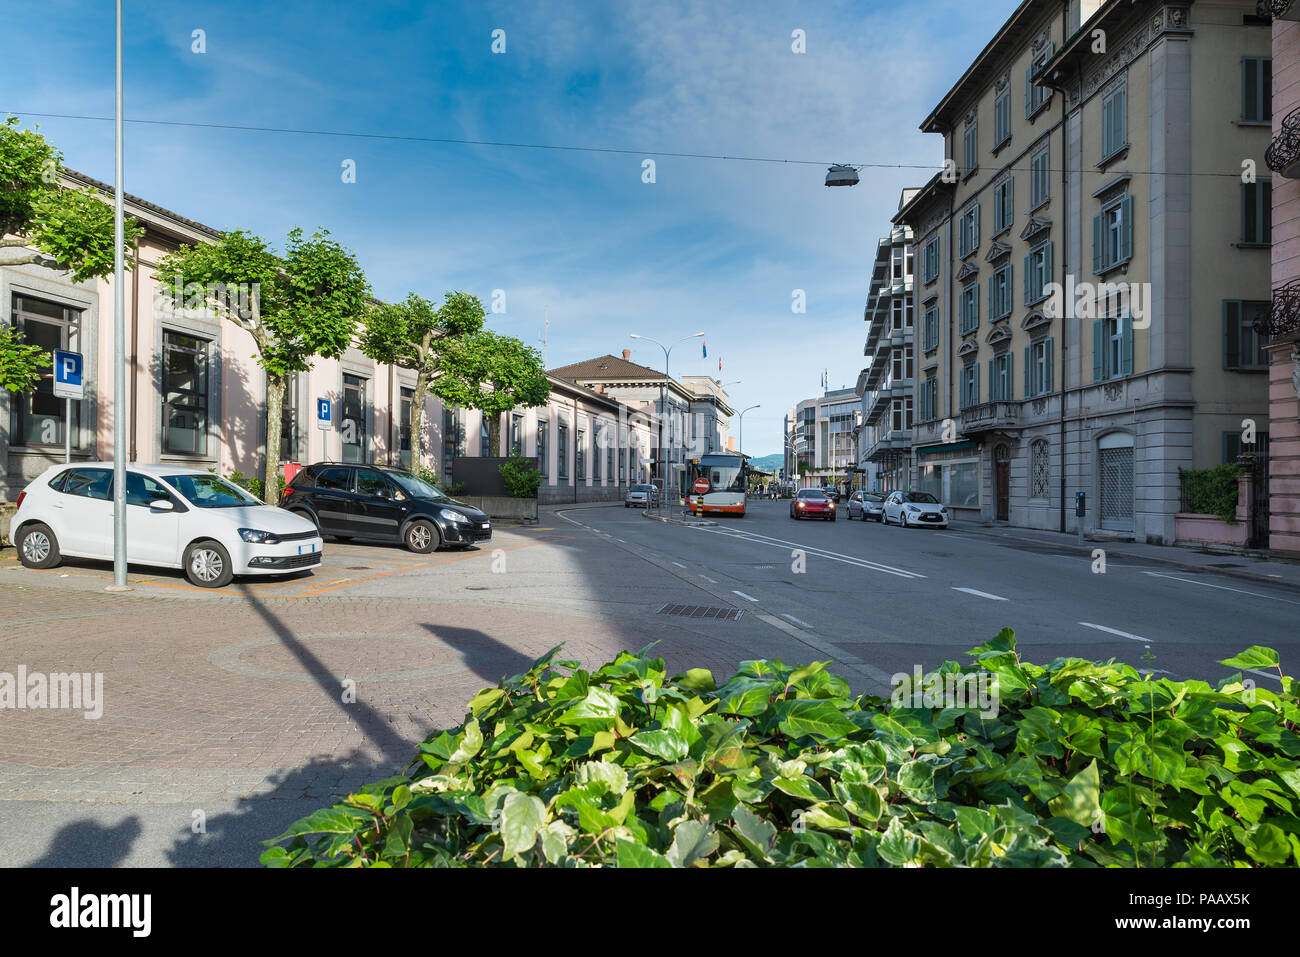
(712, 245)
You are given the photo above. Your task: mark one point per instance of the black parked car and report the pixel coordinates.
(370, 501)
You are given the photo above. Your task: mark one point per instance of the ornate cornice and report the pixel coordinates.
(967, 270)
(1035, 226)
(997, 250)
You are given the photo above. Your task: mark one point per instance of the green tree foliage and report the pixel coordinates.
(1078, 763)
(20, 363)
(412, 335)
(494, 374)
(296, 306)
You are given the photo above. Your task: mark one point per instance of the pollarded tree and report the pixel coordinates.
(298, 306)
(494, 374)
(413, 335)
(53, 226)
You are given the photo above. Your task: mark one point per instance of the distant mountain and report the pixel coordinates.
(768, 463)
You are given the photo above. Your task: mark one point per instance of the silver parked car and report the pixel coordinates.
(641, 496)
(866, 506)
(914, 508)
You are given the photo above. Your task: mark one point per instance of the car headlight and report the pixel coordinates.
(453, 516)
(259, 537)
(913, 508)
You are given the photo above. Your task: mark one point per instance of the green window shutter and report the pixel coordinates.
(1011, 376)
(1029, 363)
(1126, 344)
(1126, 229)
(1247, 208)
(1047, 266)
(1029, 271)
(1097, 350)
(1010, 304)
(993, 378)
(1098, 227)
(1047, 384)
(1248, 90)
(975, 238)
(975, 387)
(1029, 90)
(1011, 201)
(1121, 116)
(1107, 125)
(1232, 334)
(993, 293)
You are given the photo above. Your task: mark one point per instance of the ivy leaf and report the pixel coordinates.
(598, 708)
(1256, 656)
(804, 717)
(468, 745)
(692, 841)
(665, 744)
(522, 816)
(752, 831)
(1081, 802)
(632, 854)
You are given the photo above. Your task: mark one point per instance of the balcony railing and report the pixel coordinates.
(990, 417)
(1283, 318)
(1271, 9)
(1283, 154)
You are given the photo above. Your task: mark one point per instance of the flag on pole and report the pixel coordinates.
(719, 365)
(705, 346)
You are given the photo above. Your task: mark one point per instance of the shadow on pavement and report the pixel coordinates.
(90, 844)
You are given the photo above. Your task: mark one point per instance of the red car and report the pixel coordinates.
(812, 503)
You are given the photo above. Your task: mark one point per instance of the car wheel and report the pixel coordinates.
(422, 537)
(904, 522)
(207, 564)
(38, 548)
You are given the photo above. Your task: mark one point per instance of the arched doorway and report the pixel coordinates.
(1002, 476)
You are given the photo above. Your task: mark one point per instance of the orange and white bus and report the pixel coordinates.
(717, 485)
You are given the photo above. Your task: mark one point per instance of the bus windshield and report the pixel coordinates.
(723, 473)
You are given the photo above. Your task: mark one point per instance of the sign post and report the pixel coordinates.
(69, 384)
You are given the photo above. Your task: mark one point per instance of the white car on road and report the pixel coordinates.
(177, 517)
(641, 496)
(914, 508)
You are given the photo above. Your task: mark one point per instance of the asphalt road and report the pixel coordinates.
(890, 598)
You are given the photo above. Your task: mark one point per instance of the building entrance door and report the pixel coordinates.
(1002, 468)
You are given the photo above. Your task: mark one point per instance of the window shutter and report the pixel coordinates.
(1029, 90)
(1011, 377)
(1047, 266)
(1107, 125)
(1126, 344)
(975, 384)
(993, 378)
(993, 294)
(1029, 271)
(1047, 374)
(1029, 365)
(1097, 350)
(1009, 305)
(975, 237)
(1126, 229)
(1120, 115)
(1011, 201)
(1232, 334)
(1247, 207)
(1097, 247)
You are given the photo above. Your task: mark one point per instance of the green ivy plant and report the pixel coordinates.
(1211, 491)
(1085, 764)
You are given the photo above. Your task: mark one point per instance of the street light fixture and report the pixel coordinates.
(663, 405)
(842, 174)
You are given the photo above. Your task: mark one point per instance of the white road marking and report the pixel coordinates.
(833, 652)
(1115, 631)
(679, 564)
(711, 581)
(1240, 591)
(797, 621)
(1263, 674)
(980, 594)
(758, 539)
(743, 595)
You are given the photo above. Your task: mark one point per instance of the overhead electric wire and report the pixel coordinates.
(451, 141)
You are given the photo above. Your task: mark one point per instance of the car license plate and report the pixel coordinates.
(306, 549)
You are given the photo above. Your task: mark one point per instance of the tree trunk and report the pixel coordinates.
(276, 387)
(416, 423)
(494, 434)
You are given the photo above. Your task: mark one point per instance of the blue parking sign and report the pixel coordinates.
(324, 414)
(69, 375)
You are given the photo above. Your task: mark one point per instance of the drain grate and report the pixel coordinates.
(700, 611)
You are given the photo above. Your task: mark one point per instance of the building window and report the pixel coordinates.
(930, 397)
(930, 335)
(1233, 447)
(1257, 213)
(289, 421)
(969, 308)
(609, 462)
(516, 434)
(930, 261)
(580, 454)
(185, 394)
(970, 385)
(562, 450)
(1004, 204)
(1038, 272)
(542, 464)
(901, 313)
(37, 418)
(1112, 348)
(453, 440)
(1112, 235)
(1040, 182)
(1114, 123)
(352, 421)
(1040, 470)
(902, 367)
(969, 230)
(901, 414)
(1000, 387)
(484, 439)
(1002, 118)
(1256, 89)
(1038, 368)
(971, 145)
(1000, 293)
(1243, 347)
(1036, 96)
(406, 403)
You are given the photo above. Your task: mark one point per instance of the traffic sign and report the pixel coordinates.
(324, 415)
(701, 485)
(69, 375)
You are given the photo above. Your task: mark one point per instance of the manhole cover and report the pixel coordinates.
(700, 611)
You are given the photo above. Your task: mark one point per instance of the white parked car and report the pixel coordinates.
(914, 508)
(641, 496)
(177, 517)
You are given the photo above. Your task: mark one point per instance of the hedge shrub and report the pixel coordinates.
(1085, 764)
(1211, 491)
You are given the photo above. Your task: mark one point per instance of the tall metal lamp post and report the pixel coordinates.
(663, 407)
(119, 340)
(744, 471)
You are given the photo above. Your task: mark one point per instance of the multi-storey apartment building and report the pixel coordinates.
(824, 443)
(1281, 469)
(1096, 149)
(886, 386)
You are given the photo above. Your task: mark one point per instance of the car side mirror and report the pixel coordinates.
(162, 505)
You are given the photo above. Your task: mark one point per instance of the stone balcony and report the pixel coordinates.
(991, 417)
